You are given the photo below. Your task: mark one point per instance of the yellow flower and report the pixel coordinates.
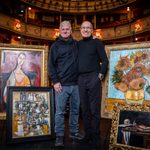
(132, 69)
(128, 77)
(137, 84)
(138, 70)
(121, 86)
(123, 63)
(140, 56)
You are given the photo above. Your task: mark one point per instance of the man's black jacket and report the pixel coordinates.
(63, 61)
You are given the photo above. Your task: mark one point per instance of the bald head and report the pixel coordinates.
(87, 23)
(86, 29)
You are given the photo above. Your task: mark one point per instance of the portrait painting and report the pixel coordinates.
(30, 114)
(128, 79)
(21, 66)
(130, 127)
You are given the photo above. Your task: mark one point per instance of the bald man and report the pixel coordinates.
(93, 64)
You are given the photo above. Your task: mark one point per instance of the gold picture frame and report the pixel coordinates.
(130, 127)
(28, 61)
(111, 92)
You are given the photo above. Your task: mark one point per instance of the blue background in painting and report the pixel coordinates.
(114, 57)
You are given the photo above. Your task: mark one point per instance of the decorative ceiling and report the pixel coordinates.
(78, 6)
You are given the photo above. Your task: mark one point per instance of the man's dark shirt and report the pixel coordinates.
(91, 53)
(63, 62)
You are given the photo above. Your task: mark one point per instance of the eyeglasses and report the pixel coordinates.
(88, 28)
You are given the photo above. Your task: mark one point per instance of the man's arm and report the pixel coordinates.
(103, 58)
(52, 64)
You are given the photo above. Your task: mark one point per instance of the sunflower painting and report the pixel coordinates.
(129, 77)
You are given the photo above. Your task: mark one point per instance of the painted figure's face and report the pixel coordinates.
(86, 29)
(21, 59)
(65, 31)
(126, 121)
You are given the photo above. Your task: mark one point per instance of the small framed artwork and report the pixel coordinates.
(22, 65)
(130, 127)
(128, 78)
(30, 115)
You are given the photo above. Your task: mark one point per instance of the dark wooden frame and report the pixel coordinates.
(29, 119)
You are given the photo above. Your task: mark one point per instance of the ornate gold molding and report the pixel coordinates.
(14, 25)
(78, 6)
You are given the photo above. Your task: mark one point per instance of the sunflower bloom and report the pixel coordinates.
(138, 70)
(123, 63)
(137, 84)
(121, 86)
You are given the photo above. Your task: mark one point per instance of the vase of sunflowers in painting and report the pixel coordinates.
(131, 76)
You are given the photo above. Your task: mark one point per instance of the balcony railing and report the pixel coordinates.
(127, 30)
(78, 6)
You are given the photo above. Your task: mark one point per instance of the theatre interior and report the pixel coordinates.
(31, 27)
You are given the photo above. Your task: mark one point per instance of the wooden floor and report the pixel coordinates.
(49, 145)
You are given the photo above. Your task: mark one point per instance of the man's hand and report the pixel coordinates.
(101, 76)
(58, 87)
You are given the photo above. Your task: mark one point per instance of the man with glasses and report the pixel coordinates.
(93, 64)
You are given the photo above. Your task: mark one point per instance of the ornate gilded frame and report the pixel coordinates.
(135, 113)
(108, 102)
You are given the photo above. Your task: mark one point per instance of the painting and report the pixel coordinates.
(30, 115)
(128, 78)
(21, 65)
(130, 127)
